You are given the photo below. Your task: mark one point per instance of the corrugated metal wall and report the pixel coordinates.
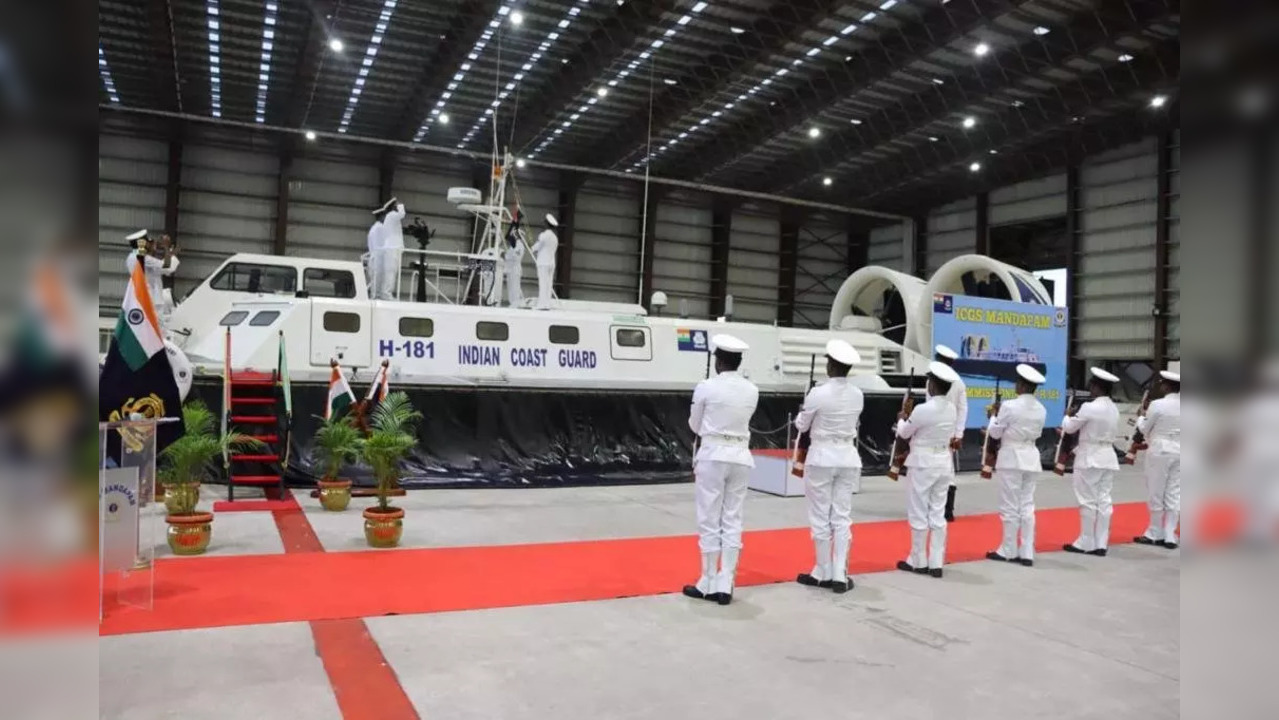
(132, 173)
(821, 265)
(606, 236)
(886, 247)
(682, 251)
(423, 186)
(330, 203)
(1030, 200)
(1117, 254)
(752, 263)
(951, 233)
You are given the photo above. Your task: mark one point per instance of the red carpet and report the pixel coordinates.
(255, 505)
(302, 586)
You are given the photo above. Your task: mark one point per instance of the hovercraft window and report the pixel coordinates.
(630, 337)
(235, 317)
(319, 282)
(342, 322)
(243, 277)
(264, 318)
(416, 327)
(565, 335)
(492, 331)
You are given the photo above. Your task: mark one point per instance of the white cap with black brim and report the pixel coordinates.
(1030, 374)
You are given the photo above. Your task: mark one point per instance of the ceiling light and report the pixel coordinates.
(736, 30)
(1040, 30)
(310, 135)
(993, 151)
(814, 132)
(974, 167)
(335, 45)
(827, 181)
(848, 58)
(855, 121)
(938, 81)
(563, 61)
(970, 122)
(602, 92)
(1018, 103)
(981, 49)
(1158, 101)
(932, 138)
(520, 162)
(443, 119)
(517, 18)
(669, 81)
(1125, 58)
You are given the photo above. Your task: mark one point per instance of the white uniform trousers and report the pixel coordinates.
(388, 273)
(1163, 488)
(830, 509)
(721, 491)
(1017, 511)
(1092, 490)
(545, 279)
(925, 511)
(514, 293)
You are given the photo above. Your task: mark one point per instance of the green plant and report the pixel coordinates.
(190, 458)
(337, 442)
(390, 439)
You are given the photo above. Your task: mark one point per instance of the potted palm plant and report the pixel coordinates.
(390, 439)
(184, 464)
(337, 442)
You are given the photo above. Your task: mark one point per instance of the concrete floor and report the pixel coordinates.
(1075, 637)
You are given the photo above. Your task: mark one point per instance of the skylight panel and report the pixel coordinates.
(213, 11)
(370, 54)
(104, 71)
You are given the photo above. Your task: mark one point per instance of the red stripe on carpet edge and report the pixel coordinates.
(245, 590)
(295, 530)
(363, 682)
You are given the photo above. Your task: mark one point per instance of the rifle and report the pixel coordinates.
(988, 452)
(1063, 449)
(805, 440)
(900, 449)
(1138, 440)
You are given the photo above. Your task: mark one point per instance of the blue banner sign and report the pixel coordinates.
(992, 337)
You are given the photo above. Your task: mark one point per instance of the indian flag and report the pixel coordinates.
(381, 383)
(137, 332)
(340, 395)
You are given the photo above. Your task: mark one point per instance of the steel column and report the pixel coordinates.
(565, 210)
(721, 232)
(787, 265)
(173, 189)
(648, 238)
(982, 226)
(279, 241)
(1162, 210)
(1074, 362)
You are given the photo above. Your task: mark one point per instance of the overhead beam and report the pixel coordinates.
(724, 68)
(610, 41)
(309, 63)
(721, 234)
(161, 66)
(566, 214)
(1163, 209)
(1004, 73)
(787, 265)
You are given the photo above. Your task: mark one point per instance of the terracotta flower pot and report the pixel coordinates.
(335, 495)
(189, 534)
(180, 498)
(383, 528)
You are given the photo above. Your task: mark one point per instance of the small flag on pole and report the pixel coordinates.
(381, 384)
(340, 395)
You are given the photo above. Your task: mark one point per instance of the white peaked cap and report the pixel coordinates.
(946, 352)
(387, 206)
(1030, 374)
(550, 220)
(136, 236)
(1169, 375)
(729, 344)
(1103, 375)
(843, 353)
(943, 372)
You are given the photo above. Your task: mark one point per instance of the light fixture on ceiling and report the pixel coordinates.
(932, 138)
(517, 18)
(442, 118)
(970, 122)
(1158, 101)
(670, 81)
(1018, 103)
(827, 181)
(563, 61)
(736, 30)
(848, 58)
(938, 81)
(981, 49)
(974, 167)
(602, 92)
(993, 151)
(310, 135)
(519, 163)
(814, 132)
(1040, 30)
(855, 121)
(1125, 58)
(335, 45)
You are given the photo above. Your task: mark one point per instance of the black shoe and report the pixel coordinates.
(839, 588)
(810, 581)
(1166, 544)
(1025, 562)
(935, 572)
(905, 566)
(1070, 548)
(950, 504)
(723, 598)
(1143, 540)
(1099, 552)
(992, 555)
(693, 592)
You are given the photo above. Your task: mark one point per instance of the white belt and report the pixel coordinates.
(725, 440)
(835, 441)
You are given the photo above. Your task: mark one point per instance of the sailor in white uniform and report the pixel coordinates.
(958, 396)
(375, 248)
(391, 248)
(1161, 427)
(720, 417)
(831, 414)
(513, 261)
(930, 428)
(544, 253)
(1018, 424)
(1097, 423)
(157, 262)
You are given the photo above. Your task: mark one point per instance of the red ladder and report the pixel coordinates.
(255, 411)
